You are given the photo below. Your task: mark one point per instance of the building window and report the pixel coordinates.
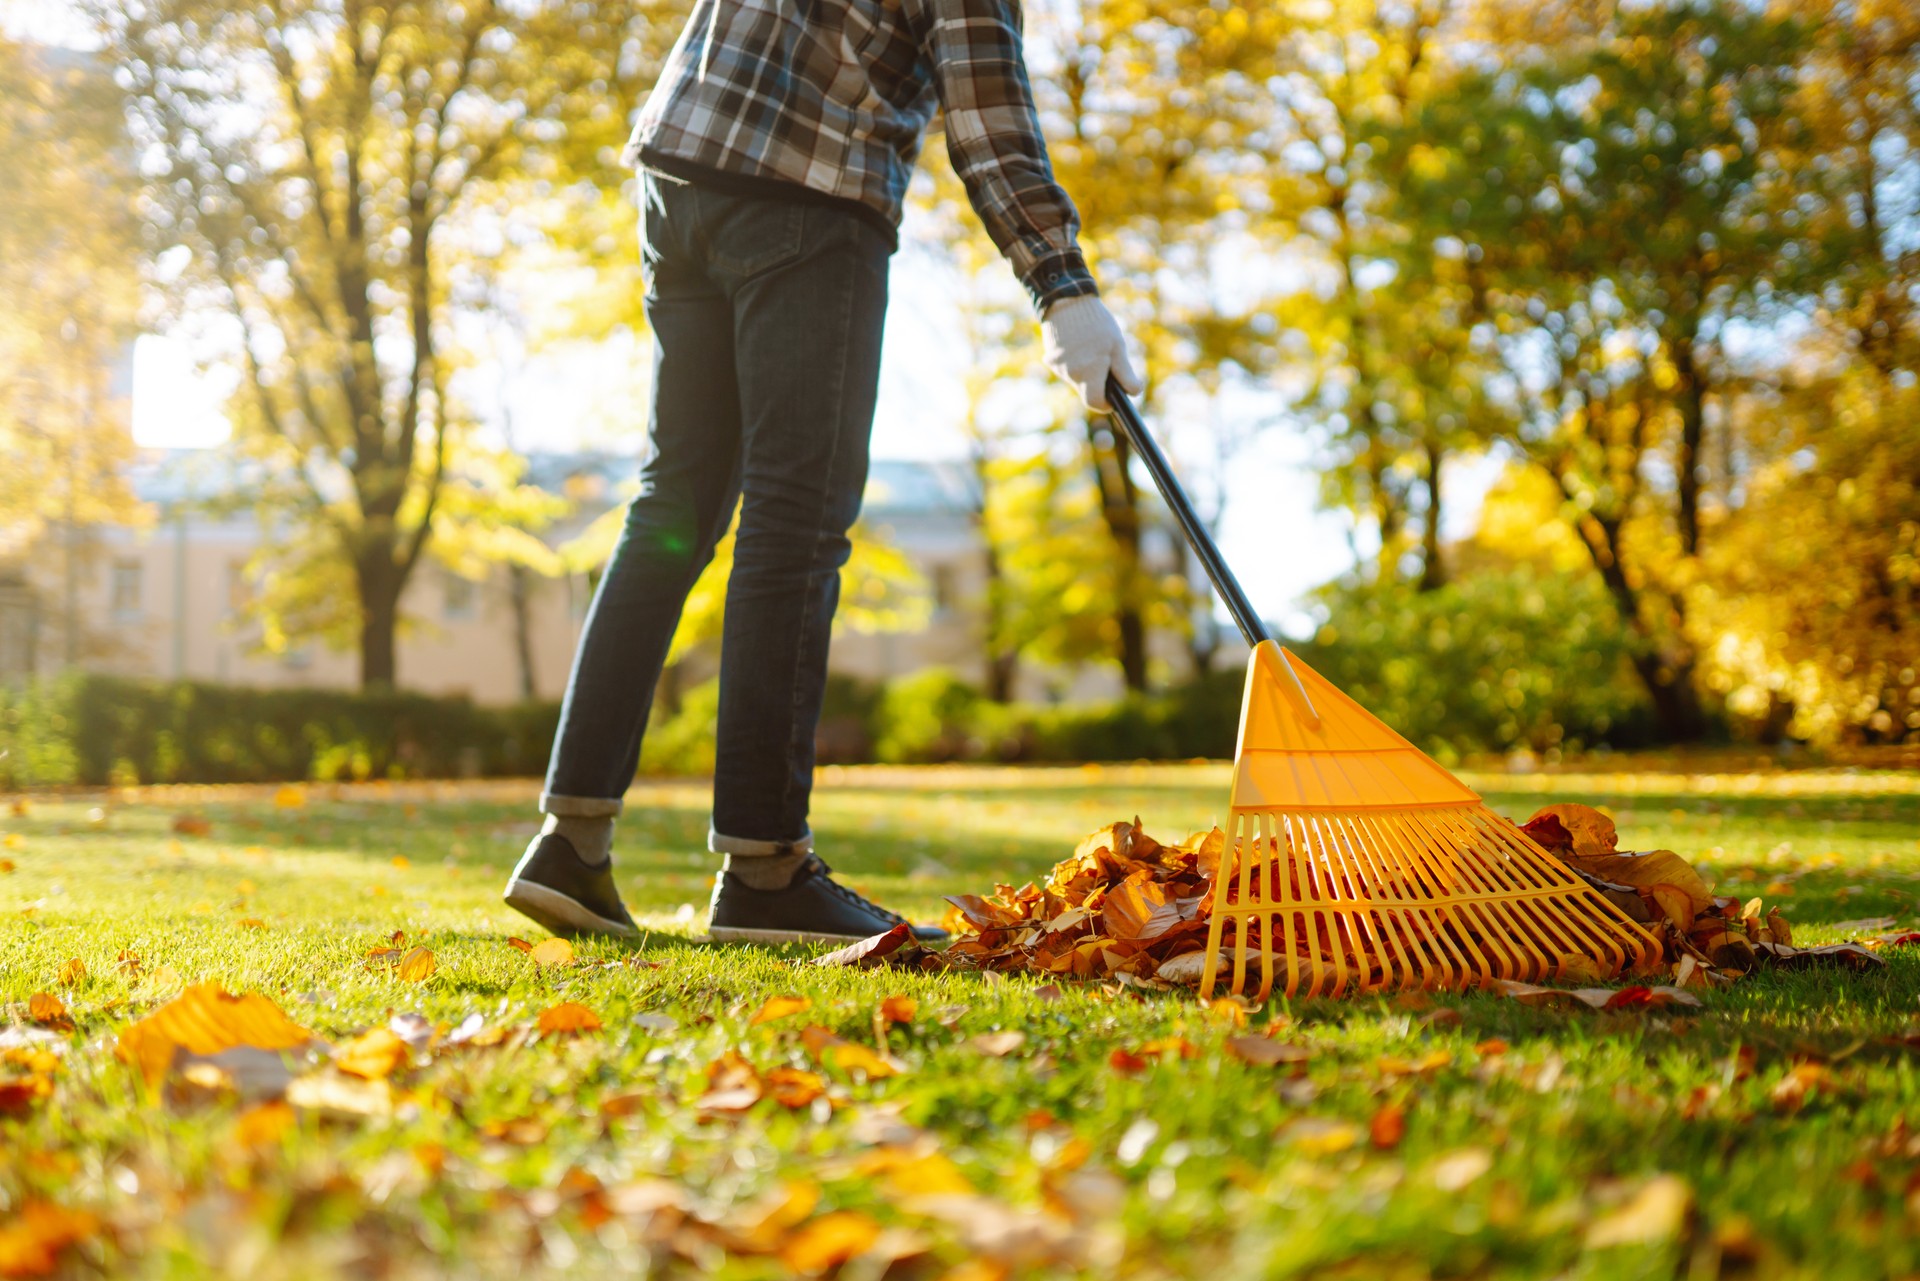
(123, 598)
(946, 588)
(460, 598)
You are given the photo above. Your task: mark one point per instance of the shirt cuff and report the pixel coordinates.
(1062, 274)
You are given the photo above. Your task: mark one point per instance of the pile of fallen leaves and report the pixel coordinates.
(1707, 938)
(1123, 905)
(1128, 907)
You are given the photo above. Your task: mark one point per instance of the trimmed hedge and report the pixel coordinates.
(95, 730)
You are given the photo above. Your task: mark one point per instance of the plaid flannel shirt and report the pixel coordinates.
(836, 95)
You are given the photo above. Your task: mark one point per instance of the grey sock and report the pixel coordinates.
(766, 871)
(591, 838)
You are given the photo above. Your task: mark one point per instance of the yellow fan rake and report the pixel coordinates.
(1354, 862)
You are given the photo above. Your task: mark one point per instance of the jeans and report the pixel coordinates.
(767, 318)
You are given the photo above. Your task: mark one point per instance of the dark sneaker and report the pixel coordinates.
(815, 908)
(552, 886)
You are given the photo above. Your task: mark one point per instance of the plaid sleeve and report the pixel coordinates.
(993, 136)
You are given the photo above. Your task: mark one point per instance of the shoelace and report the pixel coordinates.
(825, 873)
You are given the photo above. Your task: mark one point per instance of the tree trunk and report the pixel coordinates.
(1691, 395)
(1120, 509)
(380, 583)
(1433, 572)
(1667, 670)
(519, 593)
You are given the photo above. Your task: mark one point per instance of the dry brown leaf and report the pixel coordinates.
(49, 1010)
(1591, 833)
(553, 951)
(519, 945)
(732, 1085)
(73, 972)
(1793, 1088)
(901, 1009)
(871, 951)
(205, 1020)
(264, 1124)
(1264, 1051)
(568, 1016)
(191, 825)
(851, 1057)
(779, 1007)
(997, 1044)
(373, 1055)
(416, 966)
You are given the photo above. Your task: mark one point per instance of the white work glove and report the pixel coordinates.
(1082, 343)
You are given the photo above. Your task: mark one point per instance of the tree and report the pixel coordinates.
(1625, 194)
(322, 162)
(68, 249)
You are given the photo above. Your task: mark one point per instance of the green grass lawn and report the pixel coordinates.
(1643, 1143)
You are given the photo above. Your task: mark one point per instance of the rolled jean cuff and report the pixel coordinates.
(740, 845)
(580, 806)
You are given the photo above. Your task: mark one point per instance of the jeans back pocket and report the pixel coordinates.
(748, 235)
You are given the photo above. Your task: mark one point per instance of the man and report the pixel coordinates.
(775, 152)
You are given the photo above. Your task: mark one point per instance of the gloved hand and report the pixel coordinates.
(1082, 343)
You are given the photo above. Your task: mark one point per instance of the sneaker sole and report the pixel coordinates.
(730, 934)
(561, 914)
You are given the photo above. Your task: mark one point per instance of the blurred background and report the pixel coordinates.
(1547, 369)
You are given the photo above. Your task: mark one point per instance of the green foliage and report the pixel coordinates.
(1505, 658)
(95, 730)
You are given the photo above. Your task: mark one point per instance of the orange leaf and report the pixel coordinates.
(262, 1126)
(1123, 1061)
(569, 1016)
(520, 945)
(793, 1087)
(45, 1007)
(416, 966)
(373, 1055)
(900, 1009)
(73, 972)
(1491, 1048)
(829, 1241)
(206, 1020)
(779, 1007)
(554, 951)
(30, 1245)
(252, 923)
(1388, 1126)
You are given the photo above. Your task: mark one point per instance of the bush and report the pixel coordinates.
(1502, 659)
(94, 730)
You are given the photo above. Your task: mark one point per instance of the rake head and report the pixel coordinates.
(1355, 863)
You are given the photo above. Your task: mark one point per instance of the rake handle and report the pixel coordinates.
(1197, 536)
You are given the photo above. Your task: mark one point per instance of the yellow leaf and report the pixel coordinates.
(569, 1016)
(1656, 1213)
(73, 972)
(909, 1173)
(1594, 835)
(373, 1055)
(290, 797)
(252, 923)
(829, 1241)
(848, 1057)
(416, 966)
(554, 951)
(206, 1020)
(779, 1007)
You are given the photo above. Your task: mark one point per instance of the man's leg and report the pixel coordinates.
(688, 487)
(807, 332)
